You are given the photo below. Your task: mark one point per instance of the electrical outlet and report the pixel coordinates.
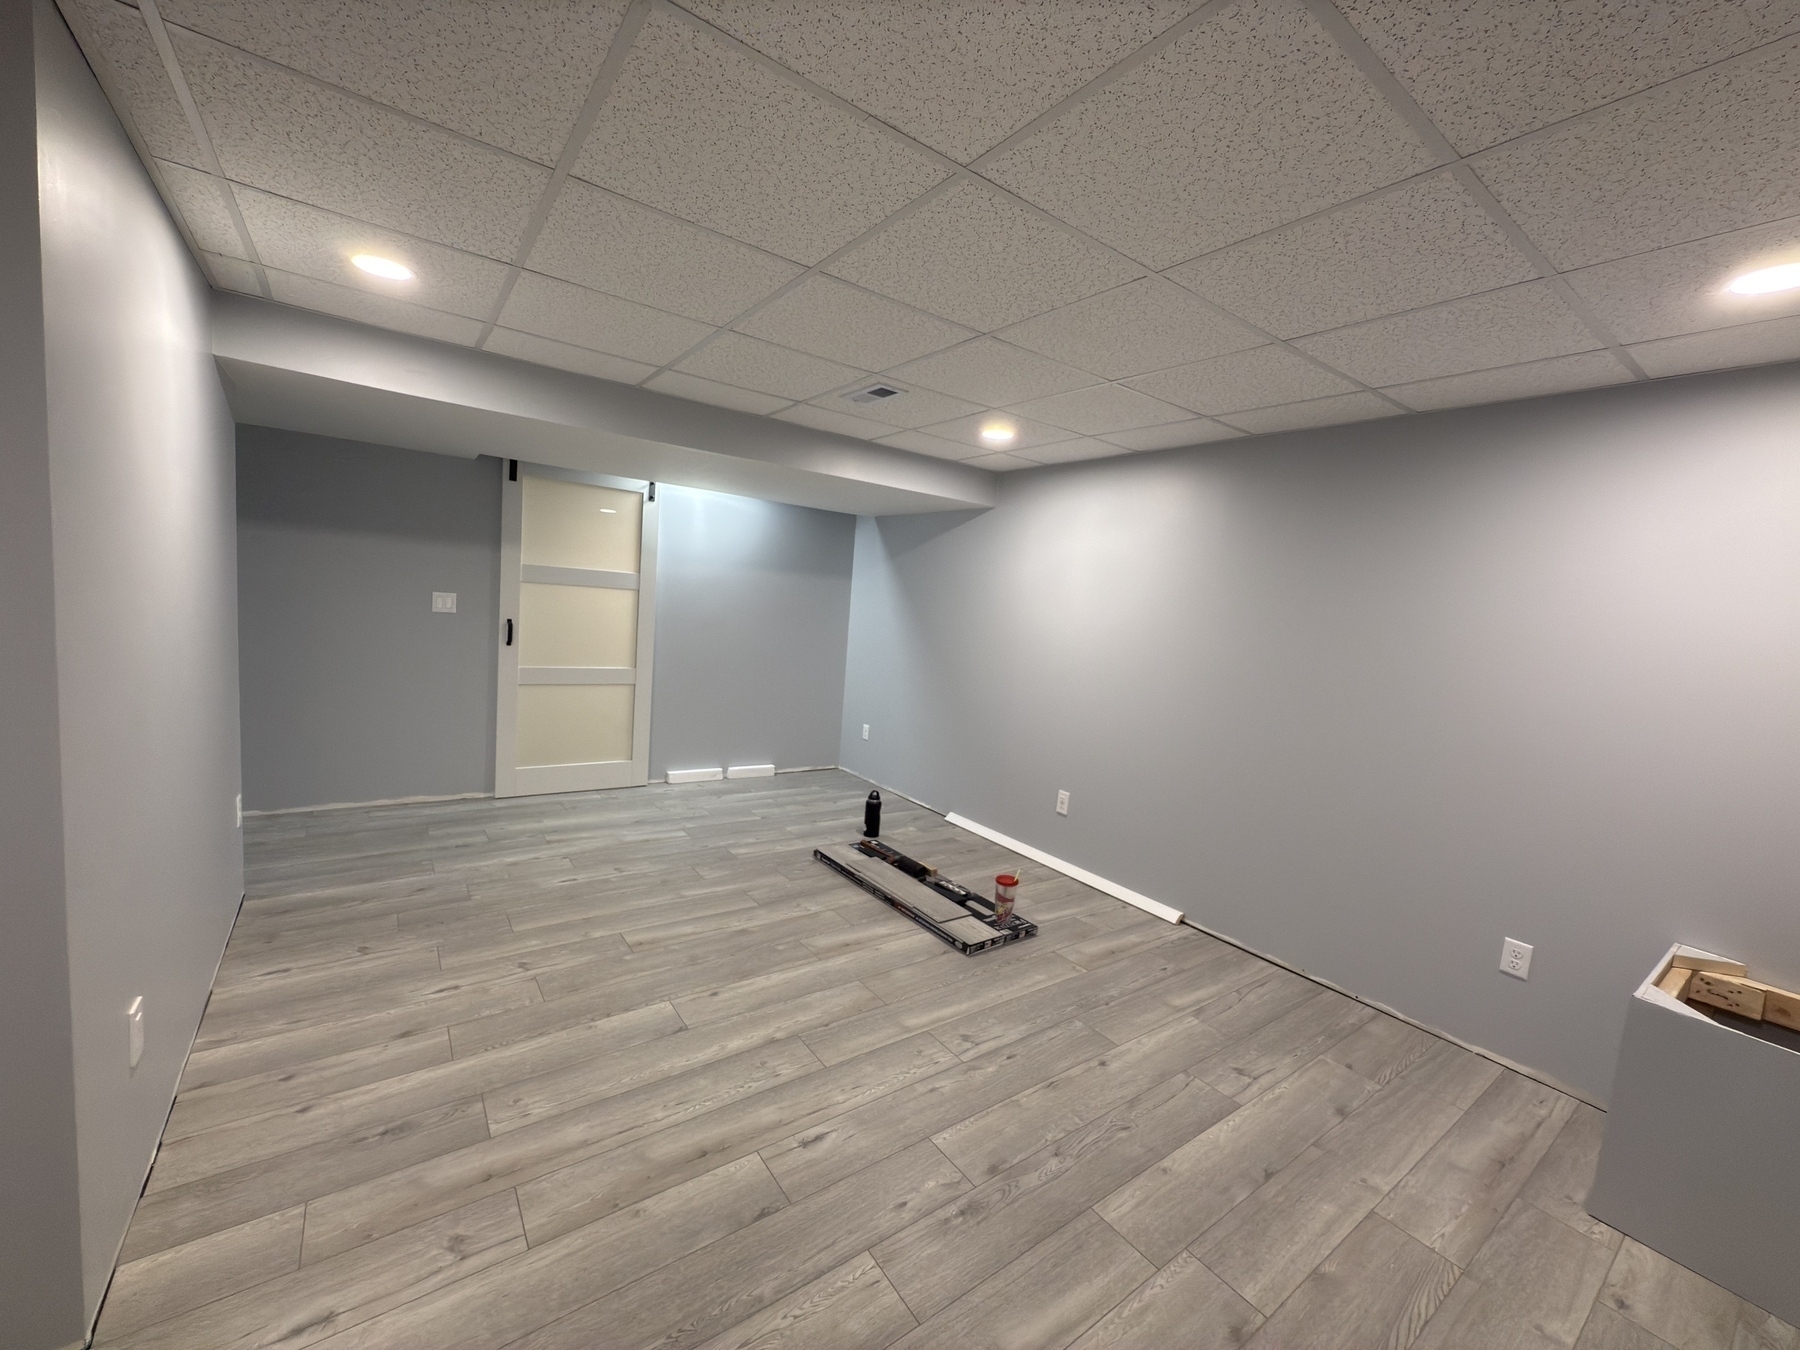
(134, 1029)
(443, 602)
(1515, 959)
(1062, 803)
(865, 731)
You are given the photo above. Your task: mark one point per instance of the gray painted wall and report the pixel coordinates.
(140, 449)
(1373, 698)
(353, 690)
(752, 618)
(40, 1233)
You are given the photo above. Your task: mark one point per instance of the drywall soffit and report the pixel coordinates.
(299, 371)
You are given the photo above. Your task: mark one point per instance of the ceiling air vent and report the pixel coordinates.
(874, 393)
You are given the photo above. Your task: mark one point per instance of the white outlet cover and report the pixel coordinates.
(1062, 803)
(1515, 959)
(865, 731)
(443, 602)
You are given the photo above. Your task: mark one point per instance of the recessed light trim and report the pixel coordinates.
(385, 268)
(1767, 280)
(998, 433)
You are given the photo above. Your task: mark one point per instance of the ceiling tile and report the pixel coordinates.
(1318, 412)
(514, 76)
(1419, 244)
(1750, 344)
(1682, 289)
(606, 243)
(968, 431)
(1257, 378)
(1194, 431)
(544, 352)
(200, 202)
(303, 239)
(1558, 375)
(379, 310)
(1245, 122)
(1143, 325)
(683, 385)
(914, 408)
(828, 419)
(974, 256)
(828, 317)
(922, 444)
(1101, 408)
(1478, 332)
(1000, 463)
(287, 135)
(117, 45)
(750, 363)
(1489, 72)
(703, 131)
(1067, 452)
(231, 274)
(992, 373)
(1699, 156)
(556, 309)
(959, 75)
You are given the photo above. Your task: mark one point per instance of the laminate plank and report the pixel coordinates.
(1669, 1300)
(1606, 1330)
(1757, 1330)
(511, 1299)
(1266, 1246)
(945, 1254)
(305, 1307)
(1457, 1193)
(850, 1308)
(691, 1300)
(178, 1214)
(1559, 1184)
(744, 921)
(575, 977)
(989, 1142)
(156, 1288)
(1382, 1049)
(870, 957)
(585, 1191)
(372, 1208)
(1455, 1074)
(1378, 1289)
(809, 1160)
(1223, 972)
(1253, 1065)
(1184, 1304)
(1044, 1298)
(1169, 1205)
(1532, 1284)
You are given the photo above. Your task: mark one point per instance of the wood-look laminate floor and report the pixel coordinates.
(631, 1069)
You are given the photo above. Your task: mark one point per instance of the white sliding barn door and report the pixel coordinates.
(577, 614)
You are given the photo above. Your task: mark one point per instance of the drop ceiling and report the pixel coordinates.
(1124, 224)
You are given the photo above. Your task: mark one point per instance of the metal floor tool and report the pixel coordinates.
(937, 904)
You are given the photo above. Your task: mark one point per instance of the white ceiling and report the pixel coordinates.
(1130, 224)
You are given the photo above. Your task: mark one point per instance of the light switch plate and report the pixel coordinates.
(1515, 959)
(443, 602)
(865, 731)
(134, 1025)
(1062, 803)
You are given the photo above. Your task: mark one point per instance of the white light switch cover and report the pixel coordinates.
(1062, 803)
(134, 1023)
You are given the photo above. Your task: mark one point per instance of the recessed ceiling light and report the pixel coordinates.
(998, 433)
(385, 268)
(1765, 280)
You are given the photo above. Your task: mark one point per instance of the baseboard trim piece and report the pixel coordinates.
(750, 771)
(1167, 913)
(695, 775)
(380, 801)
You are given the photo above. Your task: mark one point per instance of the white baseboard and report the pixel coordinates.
(695, 775)
(382, 801)
(1167, 913)
(750, 771)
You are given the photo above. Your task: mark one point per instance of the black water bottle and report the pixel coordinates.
(872, 816)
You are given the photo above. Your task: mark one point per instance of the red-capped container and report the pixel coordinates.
(1006, 889)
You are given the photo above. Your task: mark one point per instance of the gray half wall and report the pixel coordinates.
(146, 632)
(1373, 698)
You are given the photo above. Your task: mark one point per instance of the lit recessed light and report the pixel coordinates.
(385, 268)
(998, 433)
(1765, 280)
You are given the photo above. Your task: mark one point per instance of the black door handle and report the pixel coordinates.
(509, 632)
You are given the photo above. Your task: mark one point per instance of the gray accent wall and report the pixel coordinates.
(752, 620)
(353, 689)
(1372, 699)
(138, 446)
